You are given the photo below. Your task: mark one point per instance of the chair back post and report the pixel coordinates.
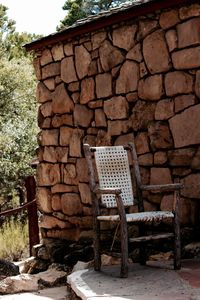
(91, 175)
(137, 176)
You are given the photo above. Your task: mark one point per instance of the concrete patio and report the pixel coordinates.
(154, 281)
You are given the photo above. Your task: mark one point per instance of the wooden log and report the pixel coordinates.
(151, 237)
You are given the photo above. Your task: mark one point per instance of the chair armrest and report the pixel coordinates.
(114, 191)
(162, 187)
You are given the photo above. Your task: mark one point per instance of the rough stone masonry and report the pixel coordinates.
(138, 79)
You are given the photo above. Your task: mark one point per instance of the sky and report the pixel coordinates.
(35, 16)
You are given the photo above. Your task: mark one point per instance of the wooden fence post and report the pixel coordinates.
(33, 228)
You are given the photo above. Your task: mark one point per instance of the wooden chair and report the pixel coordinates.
(115, 189)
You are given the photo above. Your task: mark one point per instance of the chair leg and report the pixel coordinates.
(124, 250)
(97, 254)
(142, 247)
(177, 244)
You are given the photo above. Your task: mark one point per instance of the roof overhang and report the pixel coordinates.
(104, 20)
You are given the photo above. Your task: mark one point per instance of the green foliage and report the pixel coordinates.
(18, 110)
(13, 240)
(78, 9)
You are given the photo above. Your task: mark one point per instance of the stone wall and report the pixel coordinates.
(135, 80)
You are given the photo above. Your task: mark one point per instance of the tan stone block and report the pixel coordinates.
(63, 188)
(92, 130)
(51, 70)
(50, 84)
(82, 170)
(196, 160)
(156, 53)
(95, 104)
(115, 72)
(68, 49)
(46, 109)
(56, 202)
(85, 193)
(45, 123)
(46, 57)
(65, 135)
(49, 137)
(48, 174)
(36, 65)
(82, 61)
(82, 116)
(73, 86)
(135, 53)
(151, 88)
(181, 172)
(178, 82)
(164, 109)
(187, 12)
(197, 84)
(142, 143)
(116, 108)
(76, 97)
(185, 127)
(110, 56)
(191, 187)
(146, 26)
(49, 154)
(58, 121)
(146, 160)
(186, 58)
(93, 68)
(75, 143)
(172, 39)
(132, 97)
(57, 52)
(124, 139)
(87, 90)
(50, 222)
(87, 211)
(167, 202)
(82, 223)
(100, 118)
(103, 138)
(169, 19)
(160, 158)
(43, 94)
(183, 101)
(62, 154)
(128, 78)
(97, 39)
(61, 101)
(124, 36)
(70, 174)
(118, 127)
(189, 33)
(43, 199)
(68, 73)
(181, 157)
(71, 204)
(143, 70)
(160, 136)
(103, 85)
(160, 176)
(68, 234)
(142, 113)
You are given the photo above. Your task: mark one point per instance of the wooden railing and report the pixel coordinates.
(31, 207)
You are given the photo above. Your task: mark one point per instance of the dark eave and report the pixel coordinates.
(93, 23)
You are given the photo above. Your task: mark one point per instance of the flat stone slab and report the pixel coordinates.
(155, 281)
(58, 293)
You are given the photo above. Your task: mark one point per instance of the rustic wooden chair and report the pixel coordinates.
(115, 189)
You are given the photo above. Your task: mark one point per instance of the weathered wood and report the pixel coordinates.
(162, 187)
(151, 237)
(123, 218)
(177, 236)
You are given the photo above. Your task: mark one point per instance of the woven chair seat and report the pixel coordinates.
(150, 216)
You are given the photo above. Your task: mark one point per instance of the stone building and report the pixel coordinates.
(132, 73)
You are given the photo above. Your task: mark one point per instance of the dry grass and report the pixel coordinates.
(13, 240)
